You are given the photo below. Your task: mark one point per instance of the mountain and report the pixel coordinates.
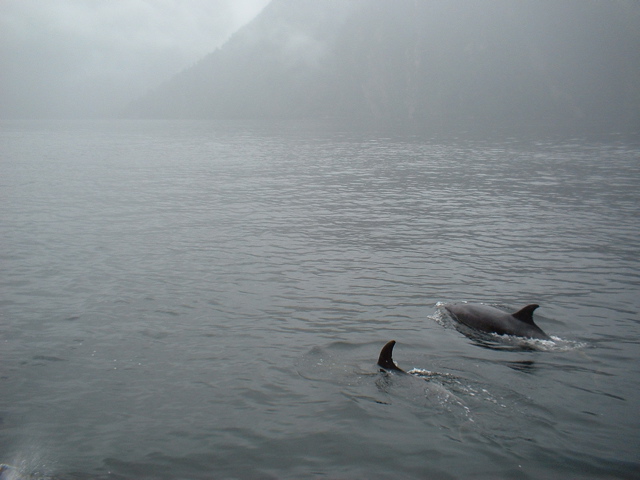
(432, 62)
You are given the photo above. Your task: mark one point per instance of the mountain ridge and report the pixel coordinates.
(468, 62)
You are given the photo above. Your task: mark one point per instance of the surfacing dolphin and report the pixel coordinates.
(493, 320)
(440, 389)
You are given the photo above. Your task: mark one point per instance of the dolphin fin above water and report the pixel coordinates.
(525, 314)
(385, 360)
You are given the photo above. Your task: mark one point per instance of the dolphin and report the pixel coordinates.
(493, 320)
(385, 360)
(436, 391)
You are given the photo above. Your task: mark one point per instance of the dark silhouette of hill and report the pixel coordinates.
(436, 63)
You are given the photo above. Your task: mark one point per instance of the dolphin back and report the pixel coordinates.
(486, 318)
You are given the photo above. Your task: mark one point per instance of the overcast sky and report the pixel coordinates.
(88, 57)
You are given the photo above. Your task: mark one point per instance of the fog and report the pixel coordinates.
(498, 62)
(75, 58)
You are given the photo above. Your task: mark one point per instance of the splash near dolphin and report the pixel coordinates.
(493, 320)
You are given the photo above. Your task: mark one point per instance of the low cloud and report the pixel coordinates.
(77, 58)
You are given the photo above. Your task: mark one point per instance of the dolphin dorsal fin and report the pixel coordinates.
(526, 314)
(385, 360)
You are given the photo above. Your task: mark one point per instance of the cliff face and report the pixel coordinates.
(470, 61)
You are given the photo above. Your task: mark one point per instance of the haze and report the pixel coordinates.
(74, 58)
(569, 63)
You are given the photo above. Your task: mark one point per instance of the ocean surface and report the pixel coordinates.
(207, 300)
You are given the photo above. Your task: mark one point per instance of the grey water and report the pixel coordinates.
(197, 300)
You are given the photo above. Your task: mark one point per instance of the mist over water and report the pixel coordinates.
(208, 300)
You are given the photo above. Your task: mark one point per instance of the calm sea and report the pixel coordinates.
(199, 300)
